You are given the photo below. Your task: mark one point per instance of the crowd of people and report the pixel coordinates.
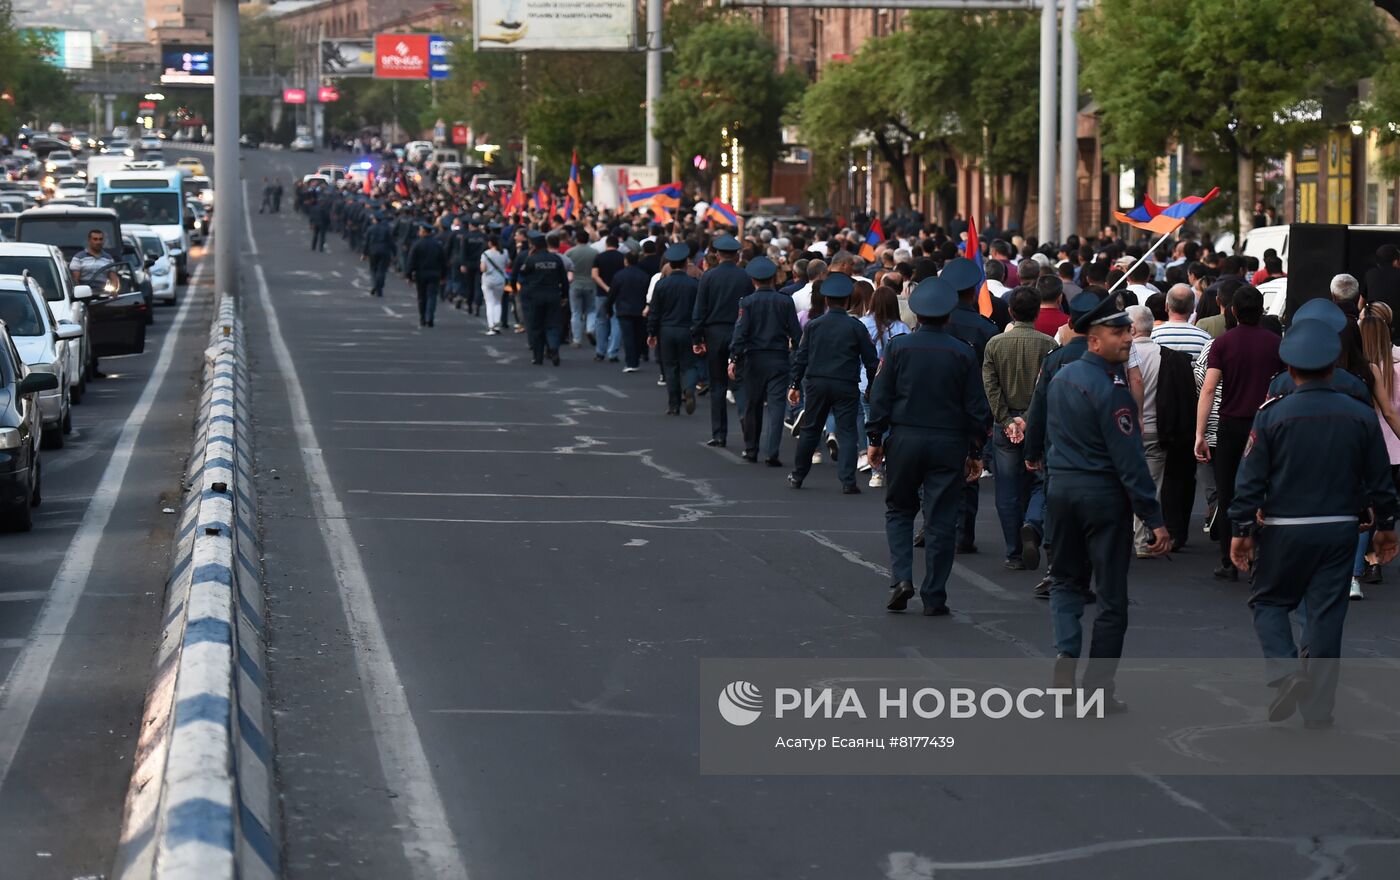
(1105, 389)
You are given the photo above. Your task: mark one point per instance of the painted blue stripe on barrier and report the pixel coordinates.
(179, 569)
(208, 629)
(221, 461)
(202, 707)
(223, 374)
(249, 612)
(174, 613)
(222, 401)
(213, 419)
(214, 571)
(257, 837)
(246, 663)
(246, 529)
(225, 438)
(200, 820)
(254, 738)
(189, 527)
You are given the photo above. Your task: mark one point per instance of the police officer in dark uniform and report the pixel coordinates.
(1326, 311)
(320, 215)
(764, 337)
(470, 247)
(1314, 468)
(668, 329)
(378, 250)
(712, 328)
(544, 290)
(833, 349)
(427, 264)
(967, 324)
(929, 396)
(1098, 481)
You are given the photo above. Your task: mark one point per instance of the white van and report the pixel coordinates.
(443, 156)
(1262, 238)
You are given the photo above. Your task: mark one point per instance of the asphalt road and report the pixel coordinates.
(490, 585)
(81, 599)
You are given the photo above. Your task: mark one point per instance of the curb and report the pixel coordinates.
(202, 801)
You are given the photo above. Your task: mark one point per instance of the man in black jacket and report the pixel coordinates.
(544, 288)
(627, 300)
(764, 337)
(712, 328)
(668, 329)
(427, 264)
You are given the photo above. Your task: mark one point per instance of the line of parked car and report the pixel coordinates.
(53, 331)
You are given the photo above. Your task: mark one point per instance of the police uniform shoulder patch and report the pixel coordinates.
(1118, 380)
(1126, 420)
(1249, 444)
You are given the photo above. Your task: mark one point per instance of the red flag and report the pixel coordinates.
(400, 186)
(369, 181)
(972, 249)
(517, 194)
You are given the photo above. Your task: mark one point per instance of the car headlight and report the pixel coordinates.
(9, 438)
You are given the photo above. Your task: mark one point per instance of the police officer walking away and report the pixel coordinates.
(833, 349)
(1314, 459)
(427, 264)
(544, 290)
(320, 215)
(668, 329)
(968, 324)
(712, 328)
(764, 337)
(929, 396)
(379, 250)
(1098, 479)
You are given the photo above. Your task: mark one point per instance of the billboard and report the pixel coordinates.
(294, 96)
(585, 25)
(611, 183)
(401, 56)
(439, 50)
(186, 65)
(70, 50)
(347, 58)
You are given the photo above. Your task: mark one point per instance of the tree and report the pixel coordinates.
(1243, 79)
(724, 76)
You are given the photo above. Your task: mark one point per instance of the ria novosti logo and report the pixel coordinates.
(740, 703)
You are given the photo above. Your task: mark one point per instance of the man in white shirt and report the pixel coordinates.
(996, 276)
(802, 297)
(1179, 334)
(1149, 361)
(1138, 283)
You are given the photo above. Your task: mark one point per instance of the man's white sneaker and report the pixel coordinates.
(1356, 590)
(729, 396)
(863, 463)
(631, 369)
(877, 480)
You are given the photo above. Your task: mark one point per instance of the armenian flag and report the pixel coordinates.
(874, 236)
(544, 199)
(1164, 221)
(972, 249)
(574, 202)
(517, 194)
(719, 212)
(667, 195)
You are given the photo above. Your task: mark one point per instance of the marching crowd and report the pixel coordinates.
(1106, 388)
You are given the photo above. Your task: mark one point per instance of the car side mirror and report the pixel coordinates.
(68, 330)
(82, 291)
(35, 382)
(150, 261)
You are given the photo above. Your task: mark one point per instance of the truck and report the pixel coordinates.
(1312, 254)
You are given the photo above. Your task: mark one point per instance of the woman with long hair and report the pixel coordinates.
(1382, 361)
(882, 321)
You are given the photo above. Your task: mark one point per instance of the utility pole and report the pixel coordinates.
(1045, 194)
(1069, 122)
(228, 175)
(653, 79)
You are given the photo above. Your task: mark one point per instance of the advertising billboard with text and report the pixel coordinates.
(347, 58)
(401, 56)
(585, 25)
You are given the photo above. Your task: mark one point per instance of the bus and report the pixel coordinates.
(156, 198)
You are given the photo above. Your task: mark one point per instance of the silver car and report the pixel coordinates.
(42, 343)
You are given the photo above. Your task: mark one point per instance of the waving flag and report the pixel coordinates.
(873, 237)
(667, 195)
(719, 212)
(401, 185)
(1164, 221)
(574, 201)
(369, 181)
(517, 194)
(544, 199)
(972, 249)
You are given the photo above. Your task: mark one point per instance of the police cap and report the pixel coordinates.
(932, 298)
(727, 244)
(1310, 344)
(1105, 313)
(1324, 310)
(837, 286)
(677, 252)
(535, 236)
(961, 273)
(761, 269)
(1081, 305)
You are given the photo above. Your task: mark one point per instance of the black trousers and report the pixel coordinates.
(1230, 439)
(542, 314)
(634, 338)
(827, 397)
(378, 271)
(766, 381)
(674, 350)
(1179, 493)
(717, 339)
(318, 238)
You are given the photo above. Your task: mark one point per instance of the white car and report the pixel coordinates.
(69, 302)
(303, 143)
(71, 188)
(150, 142)
(42, 344)
(160, 264)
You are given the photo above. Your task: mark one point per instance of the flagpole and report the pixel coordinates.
(1145, 255)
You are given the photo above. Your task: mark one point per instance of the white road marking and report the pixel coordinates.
(23, 596)
(390, 312)
(11, 644)
(637, 542)
(25, 684)
(724, 453)
(514, 495)
(428, 842)
(249, 241)
(611, 390)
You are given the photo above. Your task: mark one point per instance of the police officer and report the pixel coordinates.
(427, 264)
(1035, 419)
(764, 337)
(827, 368)
(929, 396)
(712, 328)
(668, 329)
(470, 247)
(1098, 481)
(378, 249)
(967, 324)
(1314, 461)
(544, 290)
(1326, 311)
(319, 213)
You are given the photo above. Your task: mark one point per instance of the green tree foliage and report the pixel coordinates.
(1243, 80)
(724, 75)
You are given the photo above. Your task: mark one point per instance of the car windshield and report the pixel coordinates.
(7, 226)
(41, 269)
(19, 314)
(150, 246)
(156, 208)
(68, 233)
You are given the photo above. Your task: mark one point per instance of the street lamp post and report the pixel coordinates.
(226, 130)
